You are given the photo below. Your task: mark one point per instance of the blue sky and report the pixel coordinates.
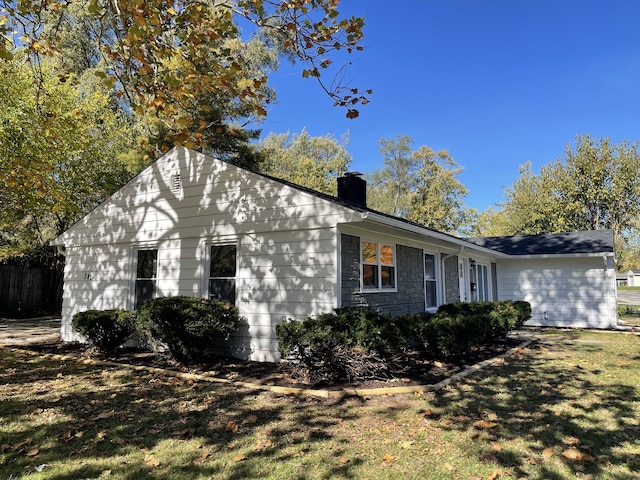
(496, 83)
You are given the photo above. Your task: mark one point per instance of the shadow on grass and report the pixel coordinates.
(88, 421)
(567, 415)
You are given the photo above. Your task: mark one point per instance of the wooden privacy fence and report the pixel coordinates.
(26, 290)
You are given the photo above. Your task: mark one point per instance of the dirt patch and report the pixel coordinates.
(412, 369)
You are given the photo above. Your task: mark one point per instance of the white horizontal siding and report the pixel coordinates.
(286, 239)
(563, 292)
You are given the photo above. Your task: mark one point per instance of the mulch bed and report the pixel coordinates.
(413, 369)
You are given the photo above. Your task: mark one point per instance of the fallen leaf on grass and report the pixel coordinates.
(105, 415)
(547, 453)
(33, 452)
(343, 460)
(240, 457)
(496, 446)
(250, 419)
(4, 447)
(449, 467)
(232, 427)
(105, 473)
(387, 460)
(575, 454)
(101, 435)
(151, 461)
(262, 446)
(205, 455)
(495, 474)
(484, 424)
(24, 443)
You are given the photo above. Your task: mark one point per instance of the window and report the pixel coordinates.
(479, 282)
(146, 275)
(430, 282)
(222, 273)
(378, 266)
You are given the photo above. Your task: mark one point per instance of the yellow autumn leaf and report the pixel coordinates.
(484, 424)
(232, 427)
(575, 454)
(151, 461)
(239, 457)
(33, 452)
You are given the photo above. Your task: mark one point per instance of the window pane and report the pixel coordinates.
(144, 291)
(369, 253)
(430, 290)
(388, 277)
(222, 289)
(223, 261)
(430, 267)
(147, 264)
(386, 254)
(370, 276)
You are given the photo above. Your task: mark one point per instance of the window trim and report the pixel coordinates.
(207, 267)
(134, 271)
(379, 288)
(437, 279)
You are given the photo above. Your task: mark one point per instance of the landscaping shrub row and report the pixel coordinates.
(333, 345)
(351, 342)
(187, 326)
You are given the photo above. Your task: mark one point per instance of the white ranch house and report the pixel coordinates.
(190, 224)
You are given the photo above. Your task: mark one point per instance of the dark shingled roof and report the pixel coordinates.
(593, 241)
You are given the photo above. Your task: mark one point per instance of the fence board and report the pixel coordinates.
(25, 290)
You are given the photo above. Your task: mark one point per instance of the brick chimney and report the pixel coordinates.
(353, 189)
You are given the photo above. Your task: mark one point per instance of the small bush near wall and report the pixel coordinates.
(458, 328)
(188, 326)
(352, 342)
(105, 329)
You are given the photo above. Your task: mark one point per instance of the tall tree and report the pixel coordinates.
(60, 146)
(595, 186)
(171, 59)
(420, 185)
(313, 162)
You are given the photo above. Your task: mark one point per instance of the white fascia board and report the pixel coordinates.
(431, 233)
(560, 255)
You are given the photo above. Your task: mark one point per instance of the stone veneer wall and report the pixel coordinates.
(452, 283)
(409, 297)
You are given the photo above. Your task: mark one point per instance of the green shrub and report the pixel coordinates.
(190, 327)
(456, 329)
(105, 329)
(319, 342)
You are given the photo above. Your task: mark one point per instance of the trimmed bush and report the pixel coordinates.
(105, 329)
(319, 342)
(457, 329)
(190, 327)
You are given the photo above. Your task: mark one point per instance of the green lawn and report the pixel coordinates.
(566, 408)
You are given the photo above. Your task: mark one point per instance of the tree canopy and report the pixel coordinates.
(595, 186)
(314, 162)
(64, 147)
(184, 65)
(420, 185)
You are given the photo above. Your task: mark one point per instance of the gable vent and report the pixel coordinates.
(176, 184)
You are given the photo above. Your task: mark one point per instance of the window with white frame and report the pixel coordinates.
(146, 275)
(479, 282)
(378, 265)
(222, 273)
(430, 281)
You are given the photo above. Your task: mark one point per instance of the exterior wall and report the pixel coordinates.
(563, 292)
(451, 280)
(286, 240)
(409, 297)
